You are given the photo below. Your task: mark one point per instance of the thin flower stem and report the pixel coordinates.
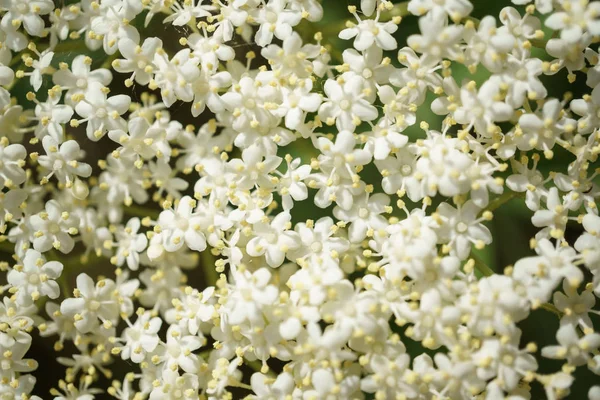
(256, 365)
(142, 212)
(503, 199)
(7, 247)
(208, 267)
(482, 267)
(551, 308)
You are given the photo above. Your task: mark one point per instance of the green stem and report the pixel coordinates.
(208, 267)
(256, 365)
(503, 199)
(7, 247)
(140, 211)
(482, 267)
(71, 45)
(551, 308)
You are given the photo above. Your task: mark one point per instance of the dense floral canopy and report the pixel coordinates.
(144, 143)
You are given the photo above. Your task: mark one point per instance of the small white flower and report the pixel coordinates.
(26, 12)
(61, 161)
(35, 278)
(53, 228)
(92, 303)
(273, 239)
(459, 228)
(369, 32)
(182, 226)
(576, 350)
(101, 113)
(129, 245)
(345, 104)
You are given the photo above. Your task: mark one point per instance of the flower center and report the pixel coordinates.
(316, 247)
(101, 112)
(182, 224)
(521, 74)
(363, 212)
(53, 228)
(94, 305)
(461, 227)
(34, 279)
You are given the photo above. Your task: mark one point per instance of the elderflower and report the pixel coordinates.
(299, 199)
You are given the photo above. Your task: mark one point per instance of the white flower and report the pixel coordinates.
(291, 185)
(459, 228)
(61, 161)
(267, 388)
(442, 166)
(369, 32)
(254, 169)
(101, 113)
(574, 306)
(275, 20)
(138, 139)
(129, 245)
(273, 239)
(365, 215)
(341, 158)
(505, 361)
(52, 117)
(172, 385)
(456, 9)
(26, 12)
(178, 350)
(181, 226)
(35, 278)
(12, 160)
(187, 12)
(574, 19)
(112, 25)
(345, 104)
(138, 59)
(298, 102)
(53, 227)
(174, 77)
(522, 78)
(319, 246)
(576, 350)
(10, 204)
(389, 373)
(480, 108)
(92, 303)
(293, 58)
(40, 67)
(195, 309)
(385, 138)
(80, 76)
(438, 43)
(210, 50)
(140, 338)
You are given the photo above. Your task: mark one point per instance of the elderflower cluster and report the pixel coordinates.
(158, 159)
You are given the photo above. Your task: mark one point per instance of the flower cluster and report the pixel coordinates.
(106, 247)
